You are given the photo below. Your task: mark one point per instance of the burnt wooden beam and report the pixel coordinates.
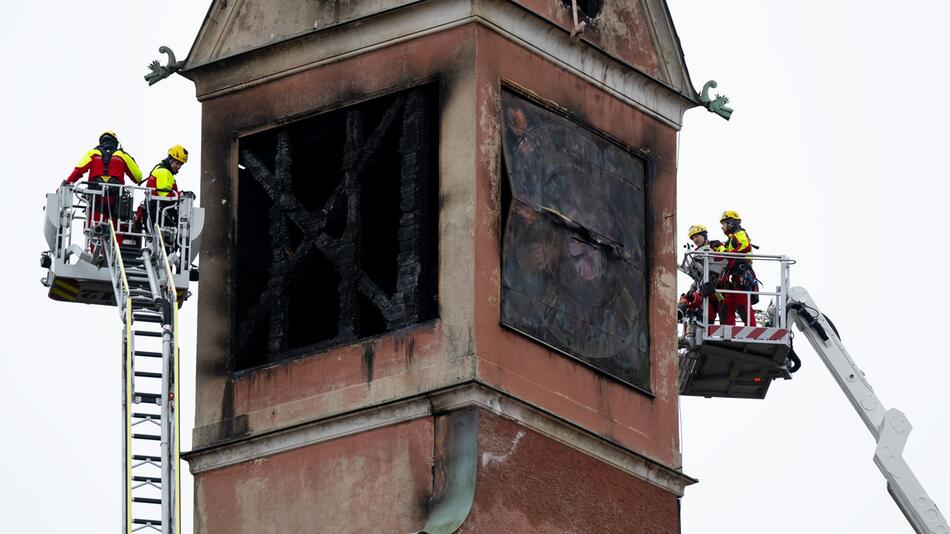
(348, 251)
(313, 228)
(404, 127)
(414, 182)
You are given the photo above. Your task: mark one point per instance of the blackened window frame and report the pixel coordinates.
(506, 198)
(430, 92)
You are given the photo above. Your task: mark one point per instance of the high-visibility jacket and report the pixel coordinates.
(738, 242)
(119, 165)
(162, 182)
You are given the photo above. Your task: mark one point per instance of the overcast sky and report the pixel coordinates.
(72, 70)
(834, 156)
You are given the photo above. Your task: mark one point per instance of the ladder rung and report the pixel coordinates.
(148, 374)
(146, 318)
(147, 522)
(148, 354)
(147, 500)
(146, 333)
(147, 415)
(157, 480)
(148, 398)
(150, 437)
(145, 457)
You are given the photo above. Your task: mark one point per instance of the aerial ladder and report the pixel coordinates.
(718, 360)
(142, 264)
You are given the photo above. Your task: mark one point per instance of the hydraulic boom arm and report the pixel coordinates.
(890, 428)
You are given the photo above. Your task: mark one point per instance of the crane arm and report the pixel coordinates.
(890, 428)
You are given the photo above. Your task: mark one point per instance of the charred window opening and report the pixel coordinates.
(337, 228)
(573, 246)
(587, 10)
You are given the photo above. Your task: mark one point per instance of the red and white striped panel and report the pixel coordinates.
(752, 333)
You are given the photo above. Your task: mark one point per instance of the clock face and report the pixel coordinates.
(573, 256)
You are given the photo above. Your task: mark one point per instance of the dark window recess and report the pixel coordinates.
(336, 230)
(587, 10)
(573, 245)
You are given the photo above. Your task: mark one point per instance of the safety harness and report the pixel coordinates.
(105, 153)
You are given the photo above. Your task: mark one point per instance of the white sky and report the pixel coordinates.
(72, 70)
(834, 156)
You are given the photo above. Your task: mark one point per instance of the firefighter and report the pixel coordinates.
(108, 165)
(692, 300)
(161, 184)
(738, 274)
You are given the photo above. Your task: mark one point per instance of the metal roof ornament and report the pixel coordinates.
(715, 105)
(160, 72)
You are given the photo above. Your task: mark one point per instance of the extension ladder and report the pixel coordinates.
(148, 306)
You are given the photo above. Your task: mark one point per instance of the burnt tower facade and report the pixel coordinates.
(438, 287)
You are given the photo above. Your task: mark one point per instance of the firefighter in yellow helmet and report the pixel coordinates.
(108, 162)
(162, 178)
(738, 274)
(737, 240)
(691, 302)
(161, 183)
(107, 166)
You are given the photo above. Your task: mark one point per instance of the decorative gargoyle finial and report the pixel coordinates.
(715, 105)
(159, 72)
